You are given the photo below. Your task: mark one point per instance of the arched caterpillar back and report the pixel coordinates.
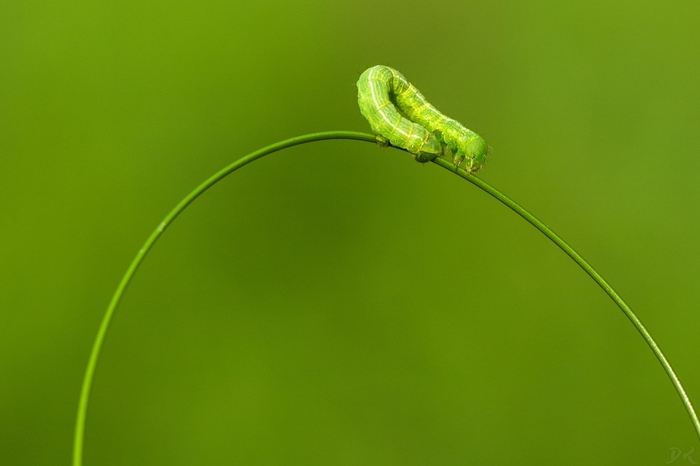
(384, 94)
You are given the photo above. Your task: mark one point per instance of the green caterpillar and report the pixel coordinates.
(385, 96)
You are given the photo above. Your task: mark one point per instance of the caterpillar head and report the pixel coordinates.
(472, 152)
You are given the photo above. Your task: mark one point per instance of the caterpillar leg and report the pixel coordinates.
(453, 157)
(381, 141)
(423, 154)
(428, 149)
(458, 160)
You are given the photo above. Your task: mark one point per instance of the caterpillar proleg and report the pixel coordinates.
(398, 113)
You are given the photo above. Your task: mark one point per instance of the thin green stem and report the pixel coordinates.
(104, 325)
(556, 239)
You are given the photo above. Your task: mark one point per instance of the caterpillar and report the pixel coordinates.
(399, 114)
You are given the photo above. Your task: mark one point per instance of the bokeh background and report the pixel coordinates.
(338, 303)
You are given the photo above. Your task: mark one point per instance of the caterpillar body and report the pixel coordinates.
(398, 113)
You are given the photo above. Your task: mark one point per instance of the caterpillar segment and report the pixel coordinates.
(398, 113)
(376, 88)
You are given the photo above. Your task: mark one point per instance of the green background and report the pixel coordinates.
(337, 303)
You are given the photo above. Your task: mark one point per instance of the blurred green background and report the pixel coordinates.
(338, 303)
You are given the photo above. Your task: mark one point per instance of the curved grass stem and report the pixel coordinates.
(106, 319)
(556, 239)
(79, 435)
